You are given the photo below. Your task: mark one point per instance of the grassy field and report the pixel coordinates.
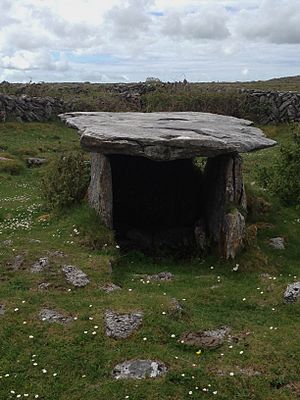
(55, 362)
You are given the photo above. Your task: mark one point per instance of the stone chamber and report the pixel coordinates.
(147, 187)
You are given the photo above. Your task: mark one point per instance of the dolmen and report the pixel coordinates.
(170, 178)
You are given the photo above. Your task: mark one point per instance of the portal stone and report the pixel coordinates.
(100, 189)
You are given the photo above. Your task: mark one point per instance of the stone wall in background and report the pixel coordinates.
(275, 107)
(266, 106)
(27, 109)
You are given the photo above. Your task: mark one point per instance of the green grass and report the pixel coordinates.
(83, 362)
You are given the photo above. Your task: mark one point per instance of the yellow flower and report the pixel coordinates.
(198, 353)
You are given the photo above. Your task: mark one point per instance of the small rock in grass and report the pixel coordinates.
(40, 265)
(17, 263)
(121, 326)
(2, 309)
(292, 292)
(35, 241)
(75, 276)
(139, 369)
(35, 162)
(161, 276)
(7, 243)
(44, 285)
(52, 316)
(176, 308)
(277, 243)
(210, 339)
(110, 287)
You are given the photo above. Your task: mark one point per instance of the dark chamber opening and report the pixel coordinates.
(155, 201)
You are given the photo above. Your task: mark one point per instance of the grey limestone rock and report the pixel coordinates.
(75, 276)
(139, 369)
(166, 136)
(277, 243)
(292, 292)
(233, 232)
(100, 191)
(121, 326)
(35, 162)
(52, 316)
(210, 339)
(2, 309)
(161, 276)
(40, 265)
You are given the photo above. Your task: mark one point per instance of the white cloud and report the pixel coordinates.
(207, 23)
(275, 21)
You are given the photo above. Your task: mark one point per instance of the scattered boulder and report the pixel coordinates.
(35, 162)
(210, 339)
(161, 276)
(2, 309)
(139, 369)
(40, 265)
(277, 243)
(75, 276)
(52, 316)
(17, 263)
(121, 326)
(292, 292)
(110, 287)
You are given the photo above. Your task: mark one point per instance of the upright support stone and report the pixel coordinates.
(226, 196)
(100, 189)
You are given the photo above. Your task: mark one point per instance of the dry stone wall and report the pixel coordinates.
(265, 106)
(27, 109)
(275, 107)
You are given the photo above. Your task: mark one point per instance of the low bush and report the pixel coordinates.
(283, 177)
(65, 181)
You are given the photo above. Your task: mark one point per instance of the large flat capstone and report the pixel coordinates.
(166, 136)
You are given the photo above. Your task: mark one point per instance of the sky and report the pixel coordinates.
(130, 40)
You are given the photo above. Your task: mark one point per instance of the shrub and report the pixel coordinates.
(283, 178)
(65, 181)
